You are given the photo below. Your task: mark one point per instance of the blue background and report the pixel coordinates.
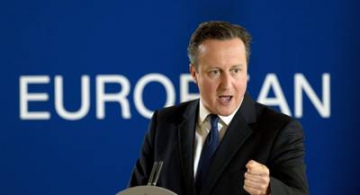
(72, 38)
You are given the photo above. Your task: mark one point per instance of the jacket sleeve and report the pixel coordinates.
(143, 166)
(287, 168)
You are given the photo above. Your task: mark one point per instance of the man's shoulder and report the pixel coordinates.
(189, 107)
(268, 115)
(267, 110)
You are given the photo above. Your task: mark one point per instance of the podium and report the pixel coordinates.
(150, 188)
(146, 190)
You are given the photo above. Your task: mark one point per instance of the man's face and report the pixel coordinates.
(222, 76)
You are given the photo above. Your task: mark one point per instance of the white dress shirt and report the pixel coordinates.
(202, 129)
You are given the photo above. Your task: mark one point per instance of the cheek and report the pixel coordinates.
(241, 84)
(207, 86)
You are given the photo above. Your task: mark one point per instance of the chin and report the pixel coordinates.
(225, 112)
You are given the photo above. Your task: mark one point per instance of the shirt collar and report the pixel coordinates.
(203, 113)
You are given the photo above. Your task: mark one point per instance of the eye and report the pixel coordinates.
(214, 73)
(236, 70)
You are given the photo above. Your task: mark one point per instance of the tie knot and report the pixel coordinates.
(214, 119)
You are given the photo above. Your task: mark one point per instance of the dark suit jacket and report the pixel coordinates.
(256, 132)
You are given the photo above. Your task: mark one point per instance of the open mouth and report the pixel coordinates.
(225, 98)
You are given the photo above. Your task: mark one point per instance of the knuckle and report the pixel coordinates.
(263, 186)
(267, 180)
(267, 171)
(246, 182)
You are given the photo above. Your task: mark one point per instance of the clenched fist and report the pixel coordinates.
(257, 178)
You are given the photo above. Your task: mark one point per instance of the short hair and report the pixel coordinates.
(218, 30)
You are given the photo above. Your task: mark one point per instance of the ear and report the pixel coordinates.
(193, 72)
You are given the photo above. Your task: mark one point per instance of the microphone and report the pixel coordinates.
(150, 188)
(155, 173)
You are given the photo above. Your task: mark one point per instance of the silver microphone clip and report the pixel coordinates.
(155, 173)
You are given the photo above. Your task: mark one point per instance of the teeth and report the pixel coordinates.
(225, 99)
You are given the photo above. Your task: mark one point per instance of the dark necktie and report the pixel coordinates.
(211, 142)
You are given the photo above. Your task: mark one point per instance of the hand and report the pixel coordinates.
(257, 179)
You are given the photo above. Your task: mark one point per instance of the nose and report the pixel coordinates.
(226, 80)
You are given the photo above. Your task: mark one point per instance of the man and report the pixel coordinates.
(224, 143)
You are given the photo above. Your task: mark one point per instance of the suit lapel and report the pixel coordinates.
(186, 133)
(237, 133)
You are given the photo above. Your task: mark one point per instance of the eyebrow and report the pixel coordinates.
(233, 66)
(237, 65)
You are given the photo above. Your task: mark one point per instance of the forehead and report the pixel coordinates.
(222, 50)
(214, 46)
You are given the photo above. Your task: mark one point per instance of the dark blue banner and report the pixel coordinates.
(80, 80)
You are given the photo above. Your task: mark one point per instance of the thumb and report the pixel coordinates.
(251, 164)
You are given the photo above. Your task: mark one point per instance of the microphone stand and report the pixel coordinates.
(150, 188)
